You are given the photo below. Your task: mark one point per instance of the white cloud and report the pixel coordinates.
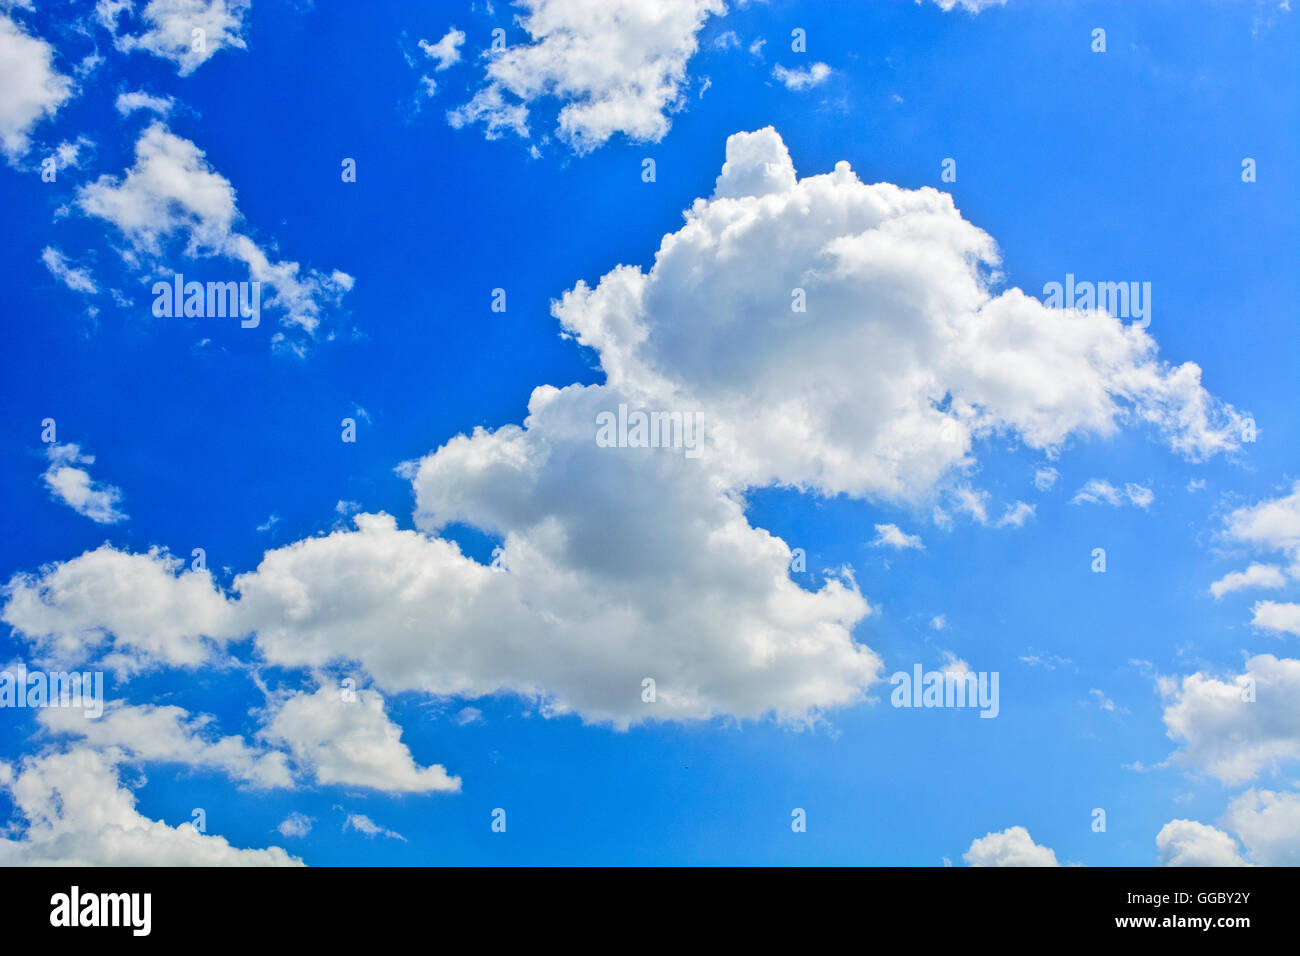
(1011, 847)
(1255, 576)
(76, 279)
(1016, 515)
(77, 813)
(1275, 616)
(1271, 525)
(952, 664)
(170, 25)
(938, 622)
(879, 400)
(1100, 491)
(469, 715)
(76, 489)
(128, 103)
(617, 66)
(805, 79)
(1188, 843)
(363, 824)
(170, 735)
(1139, 496)
(970, 6)
(138, 604)
(890, 535)
(295, 825)
(446, 51)
(1225, 734)
(843, 400)
(31, 89)
(172, 192)
(352, 743)
(1268, 823)
(726, 40)
(1045, 477)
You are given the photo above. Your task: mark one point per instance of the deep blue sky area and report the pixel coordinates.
(1123, 165)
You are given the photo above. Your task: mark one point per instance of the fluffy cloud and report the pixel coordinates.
(1255, 576)
(1271, 525)
(76, 489)
(902, 355)
(170, 735)
(889, 535)
(77, 813)
(31, 89)
(618, 564)
(172, 193)
(1188, 843)
(352, 743)
(1275, 616)
(1223, 731)
(1268, 823)
(124, 610)
(295, 825)
(128, 103)
(1099, 491)
(1012, 847)
(616, 66)
(805, 79)
(169, 29)
(446, 51)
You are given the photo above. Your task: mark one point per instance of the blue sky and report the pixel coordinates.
(1118, 691)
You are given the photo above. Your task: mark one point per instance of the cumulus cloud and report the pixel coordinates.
(902, 355)
(1255, 576)
(352, 743)
(1099, 491)
(1045, 477)
(446, 51)
(1236, 728)
(889, 535)
(295, 825)
(171, 192)
(128, 103)
(76, 812)
(122, 610)
(1271, 525)
(170, 734)
(1275, 616)
(31, 88)
(75, 488)
(1012, 847)
(615, 67)
(186, 32)
(618, 564)
(1268, 823)
(1188, 843)
(802, 79)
